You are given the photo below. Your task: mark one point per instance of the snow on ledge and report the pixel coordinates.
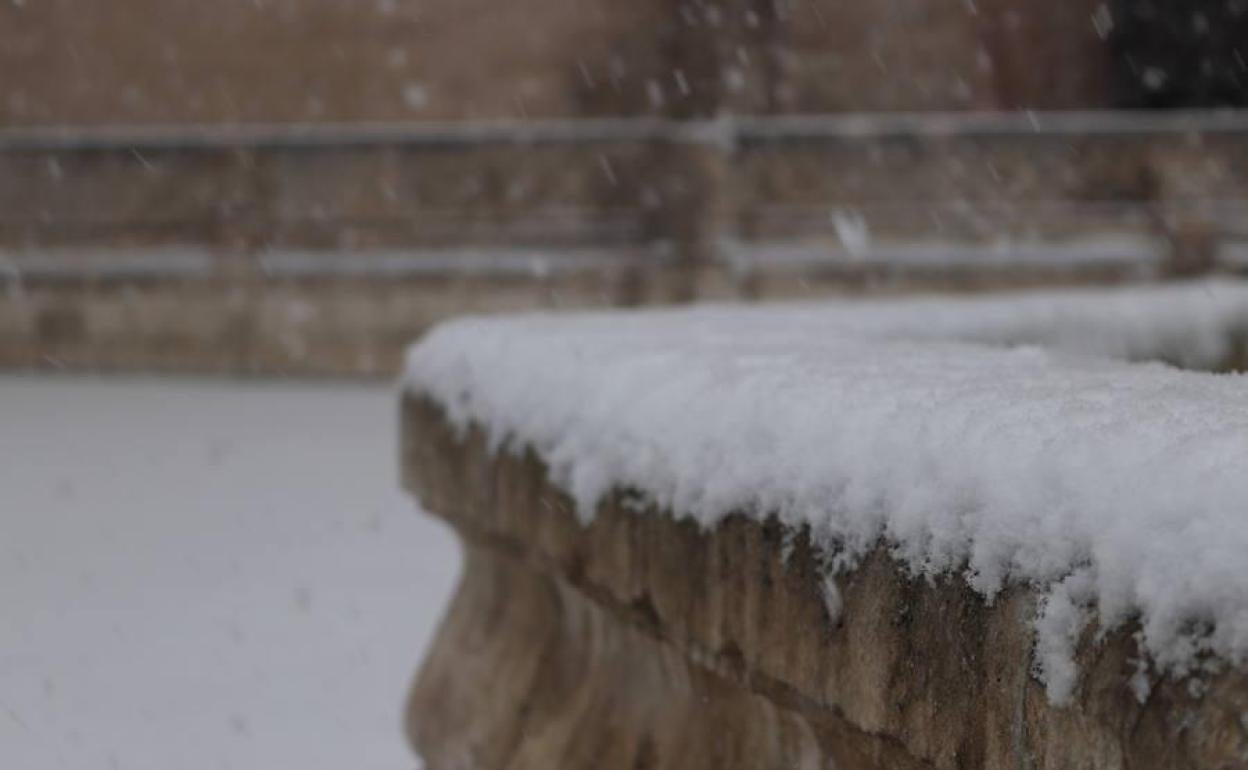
(1006, 438)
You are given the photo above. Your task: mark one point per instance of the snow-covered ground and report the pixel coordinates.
(208, 575)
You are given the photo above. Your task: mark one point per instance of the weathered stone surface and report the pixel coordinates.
(639, 640)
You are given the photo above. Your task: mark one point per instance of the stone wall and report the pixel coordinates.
(639, 640)
(305, 185)
(325, 251)
(341, 61)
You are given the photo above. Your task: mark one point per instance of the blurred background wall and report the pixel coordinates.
(302, 186)
(280, 61)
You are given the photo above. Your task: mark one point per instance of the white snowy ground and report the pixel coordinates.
(208, 575)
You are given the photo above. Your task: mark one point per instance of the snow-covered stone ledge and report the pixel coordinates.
(941, 533)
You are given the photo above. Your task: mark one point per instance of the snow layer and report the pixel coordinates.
(202, 575)
(1008, 438)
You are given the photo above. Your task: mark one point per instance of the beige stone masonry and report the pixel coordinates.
(640, 641)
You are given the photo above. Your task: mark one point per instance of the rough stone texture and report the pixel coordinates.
(640, 641)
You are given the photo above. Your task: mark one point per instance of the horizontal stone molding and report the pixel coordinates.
(291, 224)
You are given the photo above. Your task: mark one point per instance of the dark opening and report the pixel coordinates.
(1171, 54)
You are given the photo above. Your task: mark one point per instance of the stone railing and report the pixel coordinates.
(636, 636)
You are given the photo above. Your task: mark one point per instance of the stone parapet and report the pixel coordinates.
(640, 640)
